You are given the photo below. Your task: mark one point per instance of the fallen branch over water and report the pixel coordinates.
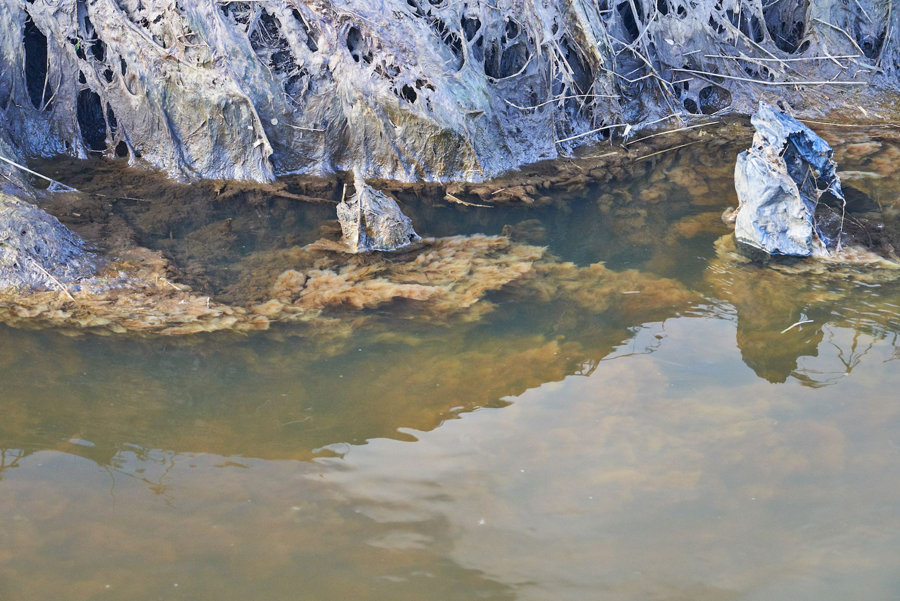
(59, 185)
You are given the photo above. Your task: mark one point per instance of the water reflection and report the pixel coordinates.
(643, 477)
(786, 314)
(664, 484)
(662, 433)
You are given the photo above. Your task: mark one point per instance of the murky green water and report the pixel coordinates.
(545, 451)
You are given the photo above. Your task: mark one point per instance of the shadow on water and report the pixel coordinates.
(659, 433)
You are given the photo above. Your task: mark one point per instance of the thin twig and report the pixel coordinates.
(118, 197)
(627, 127)
(673, 131)
(304, 128)
(44, 177)
(781, 60)
(558, 98)
(865, 14)
(593, 131)
(799, 323)
(843, 31)
(50, 276)
(860, 125)
(600, 156)
(774, 83)
(887, 35)
(459, 201)
(653, 154)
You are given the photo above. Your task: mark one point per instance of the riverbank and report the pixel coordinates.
(177, 258)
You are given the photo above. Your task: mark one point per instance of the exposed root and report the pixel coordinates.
(411, 89)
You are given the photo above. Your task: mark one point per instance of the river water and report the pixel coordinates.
(697, 449)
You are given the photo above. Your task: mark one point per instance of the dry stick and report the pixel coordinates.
(749, 41)
(653, 73)
(50, 276)
(171, 284)
(119, 197)
(758, 62)
(849, 37)
(655, 121)
(304, 128)
(459, 201)
(640, 36)
(868, 18)
(862, 66)
(890, 124)
(833, 59)
(774, 83)
(600, 156)
(55, 92)
(799, 323)
(593, 131)
(46, 80)
(558, 98)
(516, 74)
(44, 177)
(887, 35)
(620, 76)
(860, 223)
(653, 154)
(300, 197)
(673, 131)
(782, 60)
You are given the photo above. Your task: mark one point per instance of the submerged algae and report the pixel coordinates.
(231, 257)
(445, 279)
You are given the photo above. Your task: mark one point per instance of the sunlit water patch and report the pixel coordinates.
(656, 427)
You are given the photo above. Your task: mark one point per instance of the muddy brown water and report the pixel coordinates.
(703, 451)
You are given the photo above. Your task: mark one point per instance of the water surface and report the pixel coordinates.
(695, 451)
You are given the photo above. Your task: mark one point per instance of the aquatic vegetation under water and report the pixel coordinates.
(203, 258)
(606, 398)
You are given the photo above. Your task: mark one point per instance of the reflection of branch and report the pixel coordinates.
(853, 360)
(15, 459)
(850, 362)
(158, 487)
(804, 377)
(647, 350)
(896, 354)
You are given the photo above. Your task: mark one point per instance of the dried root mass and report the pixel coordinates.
(409, 89)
